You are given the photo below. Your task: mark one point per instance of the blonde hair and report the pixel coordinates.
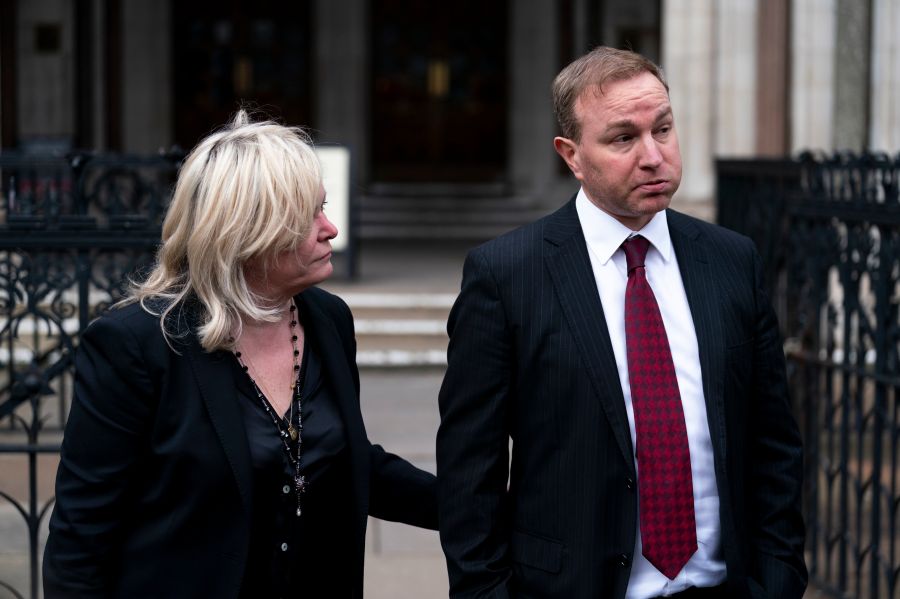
(599, 66)
(246, 192)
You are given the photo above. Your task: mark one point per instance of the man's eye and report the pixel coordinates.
(622, 139)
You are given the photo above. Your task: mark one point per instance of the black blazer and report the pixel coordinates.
(530, 359)
(153, 489)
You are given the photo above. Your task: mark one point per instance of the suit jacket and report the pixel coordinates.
(153, 489)
(530, 360)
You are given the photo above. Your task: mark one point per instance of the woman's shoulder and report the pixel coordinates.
(326, 301)
(131, 316)
(139, 322)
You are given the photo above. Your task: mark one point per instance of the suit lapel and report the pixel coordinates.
(216, 383)
(569, 265)
(703, 299)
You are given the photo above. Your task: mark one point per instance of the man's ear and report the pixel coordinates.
(568, 151)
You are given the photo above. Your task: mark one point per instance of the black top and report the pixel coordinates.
(288, 554)
(154, 494)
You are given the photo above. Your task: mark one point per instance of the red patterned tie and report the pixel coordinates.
(668, 529)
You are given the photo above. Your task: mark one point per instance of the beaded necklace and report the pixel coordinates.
(287, 431)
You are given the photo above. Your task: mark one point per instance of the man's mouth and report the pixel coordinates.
(654, 186)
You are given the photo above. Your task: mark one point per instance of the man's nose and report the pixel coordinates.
(651, 156)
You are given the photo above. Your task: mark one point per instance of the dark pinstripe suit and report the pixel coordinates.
(530, 359)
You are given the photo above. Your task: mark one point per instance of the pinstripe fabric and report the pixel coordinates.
(530, 360)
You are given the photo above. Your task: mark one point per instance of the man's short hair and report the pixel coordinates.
(596, 68)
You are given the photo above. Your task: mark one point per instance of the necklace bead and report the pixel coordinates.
(288, 433)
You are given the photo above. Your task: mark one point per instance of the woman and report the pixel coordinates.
(215, 446)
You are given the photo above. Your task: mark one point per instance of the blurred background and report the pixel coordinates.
(789, 124)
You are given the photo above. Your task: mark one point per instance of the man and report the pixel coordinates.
(632, 358)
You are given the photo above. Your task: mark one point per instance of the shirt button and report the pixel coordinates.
(624, 560)
(629, 483)
(284, 546)
(286, 489)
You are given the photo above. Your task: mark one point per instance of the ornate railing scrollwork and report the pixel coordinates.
(72, 231)
(835, 275)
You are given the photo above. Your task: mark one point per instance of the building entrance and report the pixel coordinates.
(240, 52)
(439, 91)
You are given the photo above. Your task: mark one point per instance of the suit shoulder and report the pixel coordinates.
(716, 234)
(328, 302)
(324, 299)
(132, 317)
(126, 333)
(518, 244)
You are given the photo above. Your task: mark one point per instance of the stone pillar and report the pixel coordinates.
(688, 61)
(341, 38)
(735, 78)
(532, 161)
(884, 128)
(9, 122)
(813, 29)
(147, 76)
(851, 75)
(98, 135)
(773, 76)
(45, 75)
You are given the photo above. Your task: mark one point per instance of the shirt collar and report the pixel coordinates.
(604, 234)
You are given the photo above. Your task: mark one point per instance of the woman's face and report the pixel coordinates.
(307, 264)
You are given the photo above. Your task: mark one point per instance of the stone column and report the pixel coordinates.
(884, 128)
(851, 75)
(147, 76)
(735, 78)
(773, 79)
(99, 77)
(533, 64)
(688, 61)
(45, 77)
(813, 27)
(341, 38)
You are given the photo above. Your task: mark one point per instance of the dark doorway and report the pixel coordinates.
(439, 81)
(230, 53)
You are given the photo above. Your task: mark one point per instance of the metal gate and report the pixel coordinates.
(829, 233)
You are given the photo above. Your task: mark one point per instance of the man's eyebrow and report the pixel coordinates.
(662, 113)
(623, 124)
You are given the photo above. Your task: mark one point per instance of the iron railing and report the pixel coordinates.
(829, 233)
(72, 229)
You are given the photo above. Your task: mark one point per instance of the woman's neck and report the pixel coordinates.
(284, 314)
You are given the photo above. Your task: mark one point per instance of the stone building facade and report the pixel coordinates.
(446, 106)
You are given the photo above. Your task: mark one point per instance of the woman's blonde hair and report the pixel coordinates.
(246, 192)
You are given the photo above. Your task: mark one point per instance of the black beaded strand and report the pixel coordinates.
(287, 432)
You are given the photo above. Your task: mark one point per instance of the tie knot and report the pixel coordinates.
(635, 249)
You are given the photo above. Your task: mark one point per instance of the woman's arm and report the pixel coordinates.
(399, 491)
(105, 434)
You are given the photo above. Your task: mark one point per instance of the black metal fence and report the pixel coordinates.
(71, 230)
(829, 233)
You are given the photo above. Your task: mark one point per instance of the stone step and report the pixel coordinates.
(400, 330)
(392, 329)
(398, 301)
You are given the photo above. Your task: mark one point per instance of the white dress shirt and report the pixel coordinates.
(604, 236)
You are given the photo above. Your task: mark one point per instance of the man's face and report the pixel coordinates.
(627, 158)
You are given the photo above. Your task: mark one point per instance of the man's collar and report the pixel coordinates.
(604, 234)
